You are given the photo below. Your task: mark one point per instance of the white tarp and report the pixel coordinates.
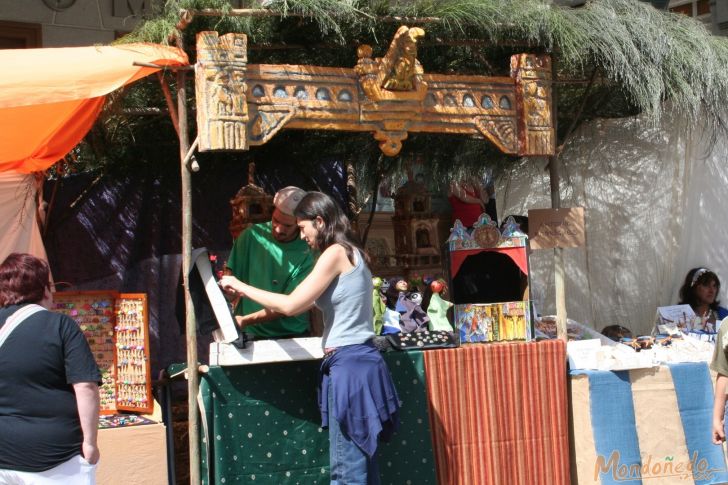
(655, 200)
(18, 205)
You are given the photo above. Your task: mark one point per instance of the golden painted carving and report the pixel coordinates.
(397, 75)
(533, 97)
(400, 63)
(267, 121)
(241, 105)
(220, 90)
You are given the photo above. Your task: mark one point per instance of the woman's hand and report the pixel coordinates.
(718, 432)
(231, 284)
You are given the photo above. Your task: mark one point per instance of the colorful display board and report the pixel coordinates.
(116, 327)
(493, 322)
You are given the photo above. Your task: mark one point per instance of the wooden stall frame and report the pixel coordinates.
(393, 80)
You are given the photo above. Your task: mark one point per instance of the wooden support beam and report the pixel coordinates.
(193, 384)
(554, 181)
(187, 15)
(170, 103)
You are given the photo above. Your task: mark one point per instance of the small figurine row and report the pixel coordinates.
(126, 341)
(130, 338)
(137, 382)
(130, 306)
(136, 393)
(129, 318)
(129, 347)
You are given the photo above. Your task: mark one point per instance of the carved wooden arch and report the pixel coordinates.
(241, 105)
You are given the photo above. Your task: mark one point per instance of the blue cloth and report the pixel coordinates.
(365, 402)
(694, 392)
(400, 305)
(349, 465)
(613, 418)
(391, 322)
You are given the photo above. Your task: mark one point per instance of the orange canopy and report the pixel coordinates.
(49, 98)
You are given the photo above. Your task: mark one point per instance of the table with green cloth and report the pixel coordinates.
(482, 413)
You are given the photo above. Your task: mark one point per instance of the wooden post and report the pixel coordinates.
(191, 323)
(559, 272)
(554, 180)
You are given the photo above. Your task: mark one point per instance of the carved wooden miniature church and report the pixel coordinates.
(416, 228)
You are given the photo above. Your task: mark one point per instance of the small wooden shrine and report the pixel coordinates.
(250, 205)
(416, 228)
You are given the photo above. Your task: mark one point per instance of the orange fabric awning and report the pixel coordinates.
(49, 98)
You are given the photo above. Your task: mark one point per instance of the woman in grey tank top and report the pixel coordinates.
(358, 401)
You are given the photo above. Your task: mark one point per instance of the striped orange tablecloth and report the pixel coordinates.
(499, 413)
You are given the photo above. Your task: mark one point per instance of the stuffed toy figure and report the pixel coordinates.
(437, 309)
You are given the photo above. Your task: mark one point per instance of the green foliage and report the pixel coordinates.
(651, 55)
(640, 57)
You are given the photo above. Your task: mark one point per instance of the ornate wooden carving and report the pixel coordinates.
(240, 105)
(533, 98)
(220, 90)
(250, 205)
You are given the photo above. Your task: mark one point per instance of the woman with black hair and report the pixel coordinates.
(700, 290)
(358, 400)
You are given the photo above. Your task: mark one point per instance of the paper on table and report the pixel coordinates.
(583, 353)
(670, 319)
(676, 313)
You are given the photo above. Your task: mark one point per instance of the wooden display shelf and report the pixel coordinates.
(116, 327)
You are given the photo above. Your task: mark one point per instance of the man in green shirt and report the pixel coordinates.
(271, 256)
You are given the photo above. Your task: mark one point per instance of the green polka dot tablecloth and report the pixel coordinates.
(261, 425)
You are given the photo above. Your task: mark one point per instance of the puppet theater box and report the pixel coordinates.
(489, 283)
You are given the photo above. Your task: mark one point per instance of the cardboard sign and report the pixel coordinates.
(556, 228)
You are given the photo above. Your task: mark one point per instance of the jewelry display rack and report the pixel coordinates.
(116, 327)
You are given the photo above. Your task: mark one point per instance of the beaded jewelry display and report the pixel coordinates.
(133, 382)
(94, 313)
(117, 330)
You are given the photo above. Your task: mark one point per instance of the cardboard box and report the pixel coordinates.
(650, 426)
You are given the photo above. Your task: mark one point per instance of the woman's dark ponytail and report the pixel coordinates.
(336, 228)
